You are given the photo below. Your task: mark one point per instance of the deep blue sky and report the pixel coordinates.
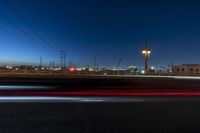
(108, 29)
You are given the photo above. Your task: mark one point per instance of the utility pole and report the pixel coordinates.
(97, 67)
(172, 66)
(94, 63)
(70, 63)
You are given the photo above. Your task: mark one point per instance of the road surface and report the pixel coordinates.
(100, 104)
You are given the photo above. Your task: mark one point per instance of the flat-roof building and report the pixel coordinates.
(186, 69)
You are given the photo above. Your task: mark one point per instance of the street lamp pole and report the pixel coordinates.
(146, 63)
(146, 52)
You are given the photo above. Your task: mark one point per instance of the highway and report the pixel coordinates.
(99, 104)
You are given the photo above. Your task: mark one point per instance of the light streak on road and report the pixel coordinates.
(14, 87)
(73, 99)
(93, 99)
(153, 76)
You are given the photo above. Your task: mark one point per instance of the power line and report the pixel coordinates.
(20, 39)
(30, 26)
(47, 35)
(17, 37)
(20, 29)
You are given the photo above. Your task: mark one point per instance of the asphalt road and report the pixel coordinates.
(134, 117)
(93, 113)
(75, 83)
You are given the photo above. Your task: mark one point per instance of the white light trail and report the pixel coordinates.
(14, 87)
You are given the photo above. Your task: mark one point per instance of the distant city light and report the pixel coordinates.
(56, 69)
(91, 69)
(43, 68)
(143, 72)
(72, 69)
(8, 67)
(78, 69)
(152, 68)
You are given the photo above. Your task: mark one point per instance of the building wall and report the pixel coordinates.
(189, 69)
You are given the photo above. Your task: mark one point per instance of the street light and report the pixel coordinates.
(146, 52)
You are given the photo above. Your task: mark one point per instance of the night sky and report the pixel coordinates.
(107, 29)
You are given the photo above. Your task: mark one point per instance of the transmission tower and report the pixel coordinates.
(53, 63)
(62, 58)
(41, 62)
(50, 64)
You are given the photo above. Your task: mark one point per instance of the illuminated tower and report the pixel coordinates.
(146, 52)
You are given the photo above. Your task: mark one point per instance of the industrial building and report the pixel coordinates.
(186, 69)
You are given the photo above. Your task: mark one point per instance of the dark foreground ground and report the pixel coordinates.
(102, 114)
(151, 117)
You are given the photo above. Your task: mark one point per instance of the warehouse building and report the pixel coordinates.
(186, 69)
